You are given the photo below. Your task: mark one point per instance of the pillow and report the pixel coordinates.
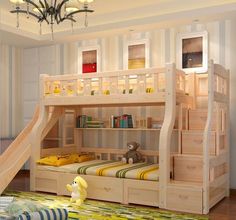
(84, 157)
(47, 214)
(16, 208)
(59, 160)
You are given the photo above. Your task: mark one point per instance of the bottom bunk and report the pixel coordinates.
(107, 180)
(136, 183)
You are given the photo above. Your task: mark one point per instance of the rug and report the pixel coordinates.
(93, 210)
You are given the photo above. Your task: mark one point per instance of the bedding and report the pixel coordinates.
(59, 160)
(142, 171)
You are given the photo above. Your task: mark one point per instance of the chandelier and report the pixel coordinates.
(52, 11)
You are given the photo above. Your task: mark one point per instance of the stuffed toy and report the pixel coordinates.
(132, 155)
(78, 190)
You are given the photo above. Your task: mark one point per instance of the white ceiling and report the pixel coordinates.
(114, 16)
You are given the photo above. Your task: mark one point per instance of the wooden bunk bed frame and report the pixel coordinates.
(170, 87)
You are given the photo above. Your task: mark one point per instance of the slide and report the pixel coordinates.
(15, 156)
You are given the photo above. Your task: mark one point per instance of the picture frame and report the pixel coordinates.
(142, 45)
(85, 62)
(192, 52)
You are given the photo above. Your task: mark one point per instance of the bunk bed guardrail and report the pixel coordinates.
(140, 81)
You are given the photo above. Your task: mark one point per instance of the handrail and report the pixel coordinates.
(215, 70)
(206, 138)
(106, 74)
(166, 131)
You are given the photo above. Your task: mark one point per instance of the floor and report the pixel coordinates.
(225, 210)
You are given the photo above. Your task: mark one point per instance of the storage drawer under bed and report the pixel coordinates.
(99, 187)
(46, 181)
(186, 199)
(141, 192)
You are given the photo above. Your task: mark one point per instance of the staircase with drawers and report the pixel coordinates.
(187, 183)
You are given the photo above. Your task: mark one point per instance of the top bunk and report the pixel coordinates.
(125, 87)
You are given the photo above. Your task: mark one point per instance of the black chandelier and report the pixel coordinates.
(55, 11)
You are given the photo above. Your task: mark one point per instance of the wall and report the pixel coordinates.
(10, 91)
(162, 44)
(43, 60)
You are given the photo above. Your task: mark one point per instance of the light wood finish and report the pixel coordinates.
(105, 188)
(188, 168)
(199, 180)
(165, 134)
(198, 118)
(141, 192)
(58, 151)
(53, 118)
(184, 199)
(47, 181)
(16, 154)
(192, 142)
(217, 92)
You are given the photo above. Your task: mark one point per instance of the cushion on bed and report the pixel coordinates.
(59, 160)
(141, 171)
(46, 214)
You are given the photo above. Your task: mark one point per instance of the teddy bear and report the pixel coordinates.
(78, 190)
(132, 155)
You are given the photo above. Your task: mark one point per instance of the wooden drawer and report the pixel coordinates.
(188, 168)
(184, 199)
(105, 188)
(192, 143)
(198, 118)
(46, 181)
(141, 192)
(101, 188)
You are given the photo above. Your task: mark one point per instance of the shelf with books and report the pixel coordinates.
(124, 129)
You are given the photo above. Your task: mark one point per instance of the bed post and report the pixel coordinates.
(37, 132)
(206, 138)
(228, 131)
(166, 131)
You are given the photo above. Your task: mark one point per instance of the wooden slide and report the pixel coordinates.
(14, 157)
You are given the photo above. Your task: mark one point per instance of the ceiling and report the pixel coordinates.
(113, 16)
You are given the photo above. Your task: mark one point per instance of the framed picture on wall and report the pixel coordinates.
(89, 59)
(192, 52)
(136, 54)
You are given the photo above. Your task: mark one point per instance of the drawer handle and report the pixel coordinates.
(198, 141)
(191, 167)
(107, 189)
(183, 197)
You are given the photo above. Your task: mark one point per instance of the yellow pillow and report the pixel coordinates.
(59, 160)
(84, 157)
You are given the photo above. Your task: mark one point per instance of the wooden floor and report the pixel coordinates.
(225, 210)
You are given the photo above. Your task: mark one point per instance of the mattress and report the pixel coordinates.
(142, 171)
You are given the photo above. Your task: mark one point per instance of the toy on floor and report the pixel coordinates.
(132, 155)
(78, 190)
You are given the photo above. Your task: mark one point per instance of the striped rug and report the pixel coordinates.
(92, 210)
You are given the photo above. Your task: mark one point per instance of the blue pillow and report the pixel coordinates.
(46, 214)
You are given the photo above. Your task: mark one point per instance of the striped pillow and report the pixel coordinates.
(46, 214)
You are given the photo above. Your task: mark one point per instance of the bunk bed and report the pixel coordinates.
(171, 183)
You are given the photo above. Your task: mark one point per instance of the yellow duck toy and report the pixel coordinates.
(78, 190)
